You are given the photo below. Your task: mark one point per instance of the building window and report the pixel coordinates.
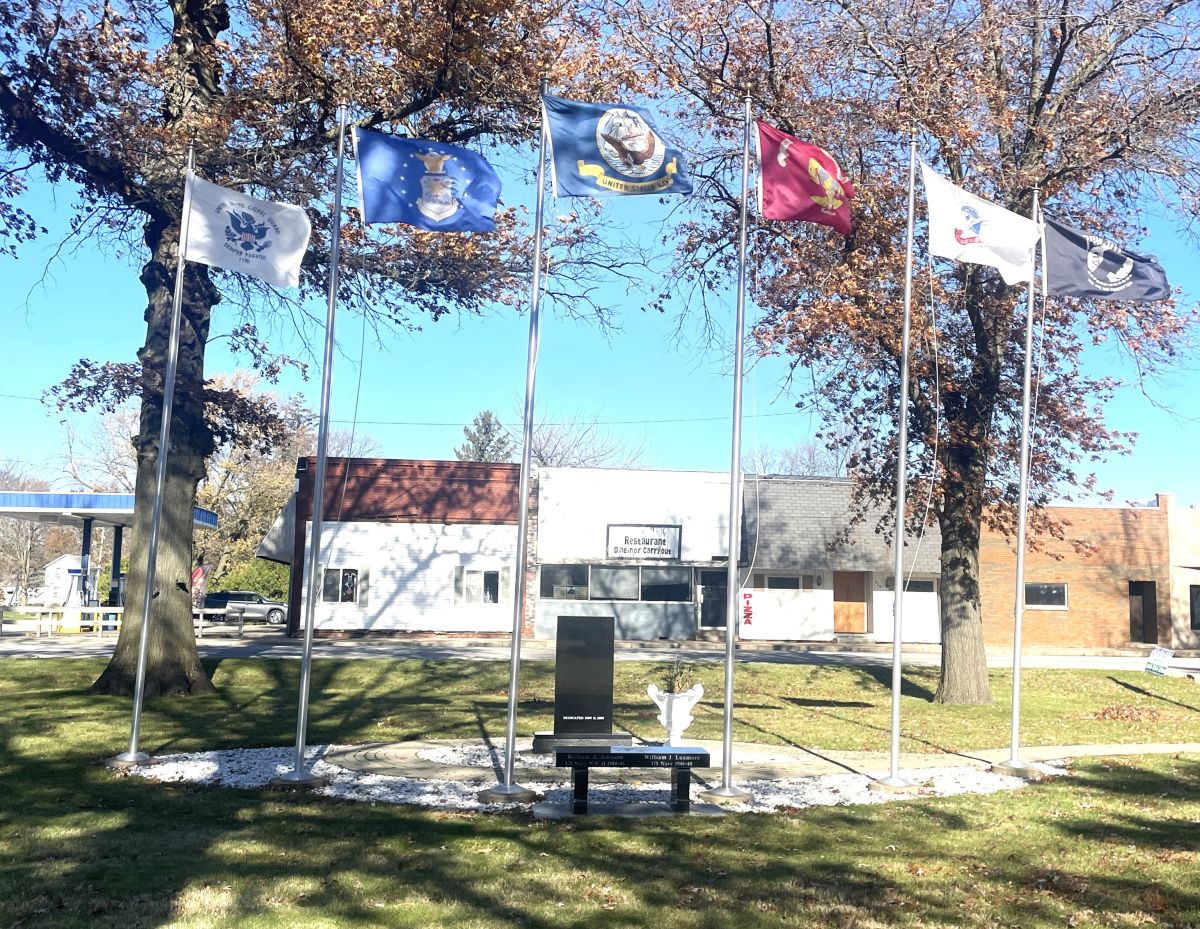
(615, 582)
(475, 585)
(779, 582)
(564, 582)
(611, 583)
(1046, 596)
(666, 584)
(928, 587)
(343, 585)
(1194, 590)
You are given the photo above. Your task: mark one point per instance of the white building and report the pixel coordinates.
(645, 547)
(430, 546)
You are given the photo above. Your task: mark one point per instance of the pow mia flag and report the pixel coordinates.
(1082, 265)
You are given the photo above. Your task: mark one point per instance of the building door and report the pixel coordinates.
(1143, 612)
(849, 601)
(714, 593)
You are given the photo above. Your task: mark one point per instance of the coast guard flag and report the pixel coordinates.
(1082, 265)
(604, 149)
(430, 185)
(966, 228)
(226, 229)
(800, 181)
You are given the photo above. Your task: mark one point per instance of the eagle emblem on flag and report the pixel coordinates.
(246, 232)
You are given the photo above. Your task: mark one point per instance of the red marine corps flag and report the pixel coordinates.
(800, 181)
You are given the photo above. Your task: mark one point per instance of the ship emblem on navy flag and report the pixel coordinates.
(609, 149)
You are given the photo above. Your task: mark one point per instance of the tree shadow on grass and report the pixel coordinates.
(1141, 691)
(908, 687)
(83, 848)
(828, 704)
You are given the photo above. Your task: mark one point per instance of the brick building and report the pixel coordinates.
(1111, 595)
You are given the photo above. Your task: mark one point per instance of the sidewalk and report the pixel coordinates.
(260, 641)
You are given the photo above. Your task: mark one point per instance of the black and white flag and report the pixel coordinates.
(1082, 265)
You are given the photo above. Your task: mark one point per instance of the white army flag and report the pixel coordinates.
(967, 228)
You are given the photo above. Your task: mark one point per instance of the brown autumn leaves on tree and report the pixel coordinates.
(1095, 104)
(109, 96)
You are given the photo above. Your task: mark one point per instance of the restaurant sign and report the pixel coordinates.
(639, 542)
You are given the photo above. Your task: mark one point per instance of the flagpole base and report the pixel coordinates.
(506, 793)
(893, 785)
(726, 793)
(130, 760)
(300, 780)
(1014, 767)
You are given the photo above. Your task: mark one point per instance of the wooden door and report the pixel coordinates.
(849, 601)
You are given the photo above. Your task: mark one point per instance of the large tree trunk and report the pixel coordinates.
(173, 663)
(964, 677)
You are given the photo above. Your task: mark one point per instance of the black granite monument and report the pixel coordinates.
(583, 685)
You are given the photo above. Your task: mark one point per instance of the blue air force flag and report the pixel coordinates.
(599, 149)
(226, 229)
(430, 185)
(1082, 265)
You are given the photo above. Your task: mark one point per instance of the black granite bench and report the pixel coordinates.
(681, 760)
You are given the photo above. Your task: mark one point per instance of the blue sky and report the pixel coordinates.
(415, 392)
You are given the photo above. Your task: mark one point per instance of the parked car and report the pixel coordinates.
(253, 606)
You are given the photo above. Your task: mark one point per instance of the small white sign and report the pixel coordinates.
(643, 542)
(1159, 659)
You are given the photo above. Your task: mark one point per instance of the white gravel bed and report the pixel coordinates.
(254, 768)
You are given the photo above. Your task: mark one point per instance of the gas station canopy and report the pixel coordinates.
(72, 509)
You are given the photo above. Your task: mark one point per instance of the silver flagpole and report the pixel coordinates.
(134, 756)
(894, 781)
(299, 776)
(727, 791)
(506, 791)
(1014, 765)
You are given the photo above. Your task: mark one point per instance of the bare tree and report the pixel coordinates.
(827, 454)
(26, 545)
(577, 440)
(103, 458)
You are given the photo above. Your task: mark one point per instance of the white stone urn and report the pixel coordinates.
(675, 710)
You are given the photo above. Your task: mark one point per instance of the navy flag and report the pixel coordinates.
(430, 185)
(607, 149)
(1082, 265)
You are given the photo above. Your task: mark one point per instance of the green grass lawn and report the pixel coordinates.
(1117, 843)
